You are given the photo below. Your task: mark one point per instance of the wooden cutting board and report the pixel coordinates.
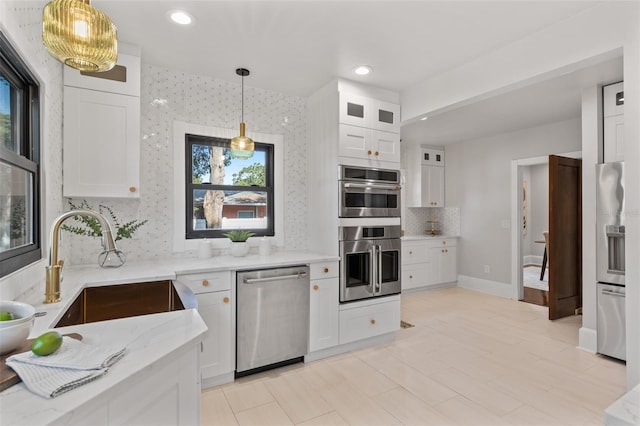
(8, 377)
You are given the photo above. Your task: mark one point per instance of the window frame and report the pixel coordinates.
(193, 139)
(19, 75)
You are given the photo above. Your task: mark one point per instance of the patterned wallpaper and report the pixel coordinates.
(21, 22)
(168, 95)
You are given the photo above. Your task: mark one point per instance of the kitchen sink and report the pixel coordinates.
(109, 302)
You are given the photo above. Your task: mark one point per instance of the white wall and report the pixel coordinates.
(21, 22)
(478, 180)
(526, 239)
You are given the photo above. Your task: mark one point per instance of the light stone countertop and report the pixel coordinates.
(625, 411)
(416, 237)
(148, 338)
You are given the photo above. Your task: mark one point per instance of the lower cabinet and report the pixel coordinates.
(428, 262)
(324, 300)
(215, 306)
(370, 318)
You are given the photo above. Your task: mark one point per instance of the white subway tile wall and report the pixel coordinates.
(168, 95)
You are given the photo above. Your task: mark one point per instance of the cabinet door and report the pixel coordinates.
(385, 146)
(386, 116)
(101, 155)
(432, 186)
(215, 310)
(355, 110)
(614, 138)
(415, 275)
(448, 265)
(355, 142)
(323, 314)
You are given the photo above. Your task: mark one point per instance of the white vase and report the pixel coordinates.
(239, 249)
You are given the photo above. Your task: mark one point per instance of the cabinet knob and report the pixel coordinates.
(369, 152)
(315, 287)
(442, 250)
(410, 252)
(225, 300)
(132, 189)
(205, 283)
(377, 153)
(444, 242)
(410, 277)
(446, 251)
(326, 270)
(397, 188)
(373, 322)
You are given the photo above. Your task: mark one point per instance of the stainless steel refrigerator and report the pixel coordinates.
(610, 259)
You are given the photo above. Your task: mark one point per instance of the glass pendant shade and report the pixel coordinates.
(79, 35)
(242, 146)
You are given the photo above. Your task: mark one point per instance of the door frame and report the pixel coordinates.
(516, 216)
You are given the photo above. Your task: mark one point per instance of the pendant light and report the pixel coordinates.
(79, 35)
(242, 146)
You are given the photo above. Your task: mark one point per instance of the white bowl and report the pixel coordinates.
(22, 311)
(13, 336)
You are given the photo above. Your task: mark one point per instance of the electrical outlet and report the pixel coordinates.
(487, 269)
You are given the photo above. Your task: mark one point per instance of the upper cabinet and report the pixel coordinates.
(371, 113)
(425, 177)
(101, 131)
(369, 129)
(613, 111)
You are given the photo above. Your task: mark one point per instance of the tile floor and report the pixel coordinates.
(471, 359)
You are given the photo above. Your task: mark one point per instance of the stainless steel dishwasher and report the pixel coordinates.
(272, 324)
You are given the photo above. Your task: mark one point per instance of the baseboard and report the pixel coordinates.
(217, 380)
(429, 287)
(588, 340)
(531, 259)
(486, 286)
(348, 347)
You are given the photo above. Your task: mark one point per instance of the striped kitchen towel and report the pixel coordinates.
(73, 364)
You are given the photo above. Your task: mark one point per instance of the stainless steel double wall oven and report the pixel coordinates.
(369, 232)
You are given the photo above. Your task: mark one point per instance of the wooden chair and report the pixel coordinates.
(544, 256)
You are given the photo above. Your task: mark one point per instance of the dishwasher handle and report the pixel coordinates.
(277, 278)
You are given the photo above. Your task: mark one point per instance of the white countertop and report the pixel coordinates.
(148, 338)
(426, 237)
(625, 411)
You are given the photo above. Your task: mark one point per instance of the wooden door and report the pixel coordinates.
(565, 236)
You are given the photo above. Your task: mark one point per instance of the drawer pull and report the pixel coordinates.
(373, 322)
(205, 283)
(444, 242)
(315, 287)
(410, 252)
(326, 270)
(377, 153)
(225, 300)
(410, 277)
(132, 189)
(369, 152)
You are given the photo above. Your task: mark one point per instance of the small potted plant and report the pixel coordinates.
(239, 246)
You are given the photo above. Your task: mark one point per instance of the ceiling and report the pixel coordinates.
(297, 46)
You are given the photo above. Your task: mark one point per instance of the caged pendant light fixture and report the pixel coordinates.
(242, 146)
(79, 35)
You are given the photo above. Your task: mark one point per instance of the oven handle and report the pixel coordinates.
(379, 274)
(374, 268)
(370, 186)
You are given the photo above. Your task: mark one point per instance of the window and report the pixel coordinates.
(19, 163)
(225, 193)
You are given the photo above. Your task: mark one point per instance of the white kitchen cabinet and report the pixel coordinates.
(613, 111)
(428, 262)
(323, 306)
(369, 318)
(424, 178)
(101, 155)
(215, 306)
(362, 111)
(368, 144)
(101, 132)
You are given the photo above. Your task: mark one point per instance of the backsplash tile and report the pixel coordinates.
(168, 96)
(415, 220)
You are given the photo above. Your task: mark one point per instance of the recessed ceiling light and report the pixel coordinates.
(181, 17)
(362, 69)
(424, 118)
